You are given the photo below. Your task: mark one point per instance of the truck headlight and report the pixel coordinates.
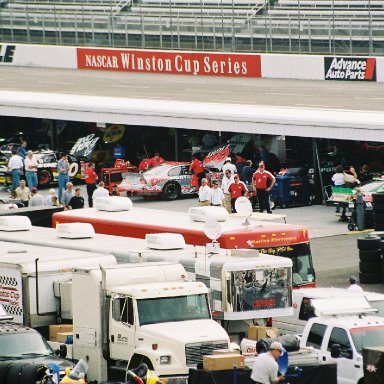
(165, 359)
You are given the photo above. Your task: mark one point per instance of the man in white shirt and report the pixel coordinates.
(353, 287)
(217, 194)
(227, 180)
(15, 168)
(30, 164)
(265, 368)
(228, 165)
(204, 193)
(99, 192)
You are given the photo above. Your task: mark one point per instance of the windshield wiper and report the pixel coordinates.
(33, 354)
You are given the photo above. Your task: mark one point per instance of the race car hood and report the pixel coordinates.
(187, 331)
(236, 144)
(84, 146)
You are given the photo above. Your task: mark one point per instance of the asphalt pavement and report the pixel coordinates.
(334, 247)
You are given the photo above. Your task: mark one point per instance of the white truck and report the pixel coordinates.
(340, 339)
(245, 286)
(128, 314)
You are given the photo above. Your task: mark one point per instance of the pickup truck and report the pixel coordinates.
(340, 339)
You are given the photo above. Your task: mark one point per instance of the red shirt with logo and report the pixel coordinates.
(196, 166)
(237, 190)
(90, 176)
(261, 179)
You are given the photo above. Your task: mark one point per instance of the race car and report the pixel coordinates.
(169, 180)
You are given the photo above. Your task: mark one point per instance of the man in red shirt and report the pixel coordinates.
(262, 182)
(90, 179)
(237, 189)
(197, 169)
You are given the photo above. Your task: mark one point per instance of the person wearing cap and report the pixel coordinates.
(204, 193)
(228, 165)
(353, 286)
(36, 200)
(265, 369)
(227, 180)
(217, 194)
(236, 190)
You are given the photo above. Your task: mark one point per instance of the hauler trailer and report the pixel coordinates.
(115, 216)
(122, 314)
(245, 285)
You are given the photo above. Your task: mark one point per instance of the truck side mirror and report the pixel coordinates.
(335, 351)
(62, 351)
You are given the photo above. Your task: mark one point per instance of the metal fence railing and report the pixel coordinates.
(348, 27)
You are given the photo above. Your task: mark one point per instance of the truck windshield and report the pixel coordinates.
(166, 309)
(365, 337)
(300, 254)
(23, 345)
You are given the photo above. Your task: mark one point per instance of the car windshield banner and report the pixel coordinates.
(216, 158)
(350, 68)
(84, 146)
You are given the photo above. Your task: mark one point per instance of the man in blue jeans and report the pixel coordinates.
(62, 169)
(15, 166)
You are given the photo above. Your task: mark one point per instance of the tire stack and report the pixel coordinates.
(21, 373)
(378, 211)
(370, 255)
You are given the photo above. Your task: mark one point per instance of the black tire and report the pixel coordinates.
(139, 359)
(372, 256)
(351, 226)
(32, 373)
(44, 177)
(379, 227)
(14, 373)
(4, 368)
(368, 243)
(378, 198)
(367, 267)
(370, 278)
(171, 191)
(378, 208)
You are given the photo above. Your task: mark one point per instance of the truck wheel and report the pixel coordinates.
(4, 368)
(171, 191)
(139, 359)
(32, 373)
(370, 278)
(367, 267)
(351, 227)
(368, 243)
(373, 256)
(14, 373)
(44, 177)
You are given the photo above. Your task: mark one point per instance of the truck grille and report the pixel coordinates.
(195, 352)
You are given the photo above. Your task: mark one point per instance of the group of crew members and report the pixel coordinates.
(261, 182)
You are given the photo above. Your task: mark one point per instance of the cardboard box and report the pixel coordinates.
(257, 332)
(55, 329)
(225, 352)
(223, 362)
(61, 337)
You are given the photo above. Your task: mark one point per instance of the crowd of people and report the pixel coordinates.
(257, 181)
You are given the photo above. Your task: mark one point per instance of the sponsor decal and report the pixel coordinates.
(350, 68)
(6, 53)
(84, 146)
(183, 63)
(216, 158)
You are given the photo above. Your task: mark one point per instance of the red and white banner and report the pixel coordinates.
(163, 62)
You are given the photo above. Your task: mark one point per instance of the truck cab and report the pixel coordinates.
(341, 339)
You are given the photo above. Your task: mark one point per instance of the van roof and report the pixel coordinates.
(349, 321)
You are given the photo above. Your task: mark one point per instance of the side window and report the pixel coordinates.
(306, 309)
(122, 310)
(316, 335)
(175, 171)
(340, 336)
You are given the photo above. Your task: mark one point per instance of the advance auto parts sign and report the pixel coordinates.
(179, 63)
(350, 69)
